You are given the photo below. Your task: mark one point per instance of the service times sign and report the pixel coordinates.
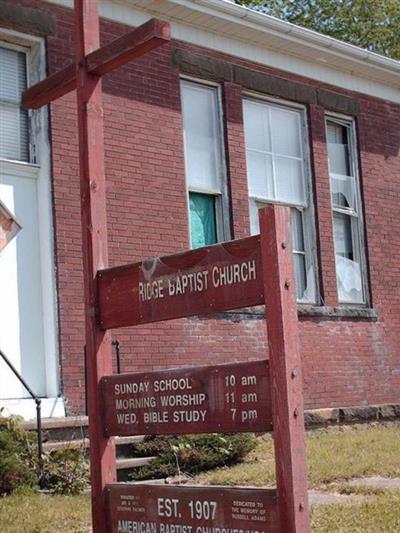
(210, 279)
(142, 508)
(221, 398)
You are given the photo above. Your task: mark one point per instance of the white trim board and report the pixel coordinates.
(238, 31)
(26, 408)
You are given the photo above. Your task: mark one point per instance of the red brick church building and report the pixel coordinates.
(239, 110)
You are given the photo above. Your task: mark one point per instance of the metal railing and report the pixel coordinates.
(117, 355)
(38, 402)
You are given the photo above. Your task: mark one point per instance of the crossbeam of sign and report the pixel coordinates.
(222, 398)
(189, 509)
(99, 62)
(202, 281)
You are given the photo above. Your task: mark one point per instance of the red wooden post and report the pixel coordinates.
(285, 369)
(94, 248)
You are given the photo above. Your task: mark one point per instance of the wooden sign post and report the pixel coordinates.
(239, 397)
(85, 76)
(224, 276)
(285, 369)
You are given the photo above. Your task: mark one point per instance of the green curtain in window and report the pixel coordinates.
(202, 220)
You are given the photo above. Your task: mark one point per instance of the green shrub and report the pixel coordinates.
(17, 451)
(191, 453)
(65, 471)
(62, 471)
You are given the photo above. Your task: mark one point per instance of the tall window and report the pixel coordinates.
(205, 171)
(276, 171)
(346, 210)
(14, 142)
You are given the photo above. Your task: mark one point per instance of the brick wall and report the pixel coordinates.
(346, 361)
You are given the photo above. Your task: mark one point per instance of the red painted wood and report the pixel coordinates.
(49, 89)
(285, 369)
(222, 398)
(93, 205)
(94, 249)
(147, 291)
(157, 508)
(101, 61)
(130, 46)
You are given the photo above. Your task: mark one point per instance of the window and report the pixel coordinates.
(14, 142)
(346, 210)
(277, 172)
(205, 170)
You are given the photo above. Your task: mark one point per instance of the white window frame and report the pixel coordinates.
(357, 219)
(307, 211)
(27, 51)
(39, 169)
(222, 208)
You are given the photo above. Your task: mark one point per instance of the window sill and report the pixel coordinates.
(19, 168)
(336, 313)
(306, 311)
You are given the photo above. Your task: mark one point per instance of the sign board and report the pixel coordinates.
(214, 278)
(9, 227)
(141, 508)
(223, 398)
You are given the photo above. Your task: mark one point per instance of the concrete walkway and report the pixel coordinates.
(324, 497)
(321, 497)
(377, 482)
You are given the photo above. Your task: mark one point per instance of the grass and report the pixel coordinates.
(334, 455)
(378, 514)
(42, 513)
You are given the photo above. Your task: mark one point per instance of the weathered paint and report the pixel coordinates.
(188, 509)
(94, 249)
(93, 209)
(197, 282)
(285, 370)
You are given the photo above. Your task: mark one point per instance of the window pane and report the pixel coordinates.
(297, 230)
(305, 279)
(259, 171)
(254, 222)
(14, 143)
(9, 131)
(201, 135)
(202, 220)
(338, 149)
(299, 263)
(289, 180)
(342, 235)
(285, 127)
(24, 135)
(256, 126)
(348, 271)
(343, 191)
(286, 184)
(9, 79)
